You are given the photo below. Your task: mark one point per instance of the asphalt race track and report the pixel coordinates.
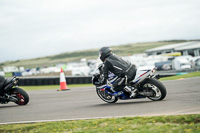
(82, 103)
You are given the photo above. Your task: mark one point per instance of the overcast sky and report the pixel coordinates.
(35, 28)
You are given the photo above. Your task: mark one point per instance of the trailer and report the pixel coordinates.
(181, 63)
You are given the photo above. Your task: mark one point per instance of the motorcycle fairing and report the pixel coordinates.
(142, 73)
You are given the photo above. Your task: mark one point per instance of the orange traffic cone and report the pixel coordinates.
(63, 84)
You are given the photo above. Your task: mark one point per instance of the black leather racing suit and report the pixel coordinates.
(2, 81)
(119, 67)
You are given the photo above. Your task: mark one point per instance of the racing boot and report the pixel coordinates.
(131, 90)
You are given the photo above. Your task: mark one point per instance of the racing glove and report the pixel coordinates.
(102, 80)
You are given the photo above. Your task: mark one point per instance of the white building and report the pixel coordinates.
(187, 48)
(10, 69)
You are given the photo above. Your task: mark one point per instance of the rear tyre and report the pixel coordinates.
(158, 89)
(106, 97)
(21, 95)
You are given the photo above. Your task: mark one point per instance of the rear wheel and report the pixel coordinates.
(157, 87)
(20, 95)
(106, 97)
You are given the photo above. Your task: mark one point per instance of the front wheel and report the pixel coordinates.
(157, 87)
(21, 96)
(106, 97)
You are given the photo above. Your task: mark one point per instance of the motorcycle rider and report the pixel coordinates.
(123, 69)
(2, 80)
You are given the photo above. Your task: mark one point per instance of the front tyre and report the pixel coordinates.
(21, 96)
(105, 96)
(158, 89)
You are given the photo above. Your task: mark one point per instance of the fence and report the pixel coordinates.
(53, 80)
(34, 81)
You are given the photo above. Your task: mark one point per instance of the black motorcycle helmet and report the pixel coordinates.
(104, 52)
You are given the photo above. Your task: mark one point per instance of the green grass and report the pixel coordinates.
(56, 87)
(154, 124)
(7, 75)
(189, 75)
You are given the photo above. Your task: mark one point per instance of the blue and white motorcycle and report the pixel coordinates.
(145, 82)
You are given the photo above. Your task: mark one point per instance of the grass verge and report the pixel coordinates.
(155, 124)
(189, 75)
